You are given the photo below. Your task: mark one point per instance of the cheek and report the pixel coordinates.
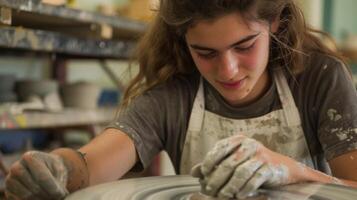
(256, 60)
(250, 62)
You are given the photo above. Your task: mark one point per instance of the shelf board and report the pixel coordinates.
(52, 42)
(65, 118)
(36, 15)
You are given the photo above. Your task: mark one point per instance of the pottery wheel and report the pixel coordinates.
(187, 188)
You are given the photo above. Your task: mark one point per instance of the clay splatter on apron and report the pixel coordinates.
(279, 130)
(269, 123)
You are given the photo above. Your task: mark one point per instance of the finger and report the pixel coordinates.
(19, 172)
(58, 169)
(259, 177)
(196, 171)
(222, 174)
(13, 186)
(220, 151)
(224, 171)
(203, 184)
(239, 178)
(43, 176)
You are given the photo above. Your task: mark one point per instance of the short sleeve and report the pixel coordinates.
(157, 120)
(337, 108)
(141, 122)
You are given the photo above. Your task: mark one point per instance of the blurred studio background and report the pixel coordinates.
(64, 65)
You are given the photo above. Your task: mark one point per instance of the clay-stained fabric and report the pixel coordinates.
(279, 130)
(324, 95)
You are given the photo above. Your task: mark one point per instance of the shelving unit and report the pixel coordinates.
(33, 26)
(65, 118)
(51, 42)
(34, 14)
(58, 33)
(28, 27)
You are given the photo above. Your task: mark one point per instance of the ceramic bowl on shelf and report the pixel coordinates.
(82, 95)
(27, 88)
(7, 83)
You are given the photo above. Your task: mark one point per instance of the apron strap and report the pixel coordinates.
(198, 109)
(288, 104)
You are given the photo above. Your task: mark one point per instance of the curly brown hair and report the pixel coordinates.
(162, 52)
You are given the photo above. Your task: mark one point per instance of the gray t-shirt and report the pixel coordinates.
(324, 94)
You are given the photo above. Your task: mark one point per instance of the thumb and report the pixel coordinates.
(196, 171)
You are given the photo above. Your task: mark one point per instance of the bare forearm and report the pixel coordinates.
(106, 158)
(343, 169)
(307, 174)
(78, 175)
(109, 156)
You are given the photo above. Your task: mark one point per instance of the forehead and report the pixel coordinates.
(222, 30)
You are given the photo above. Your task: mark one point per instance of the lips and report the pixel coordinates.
(232, 85)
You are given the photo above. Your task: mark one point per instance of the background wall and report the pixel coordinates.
(88, 70)
(343, 17)
(92, 4)
(313, 11)
(340, 21)
(335, 16)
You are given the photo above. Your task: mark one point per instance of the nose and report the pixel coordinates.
(228, 66)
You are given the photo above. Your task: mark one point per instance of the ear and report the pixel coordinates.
(274, 26)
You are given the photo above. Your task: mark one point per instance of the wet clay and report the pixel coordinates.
(240, 173)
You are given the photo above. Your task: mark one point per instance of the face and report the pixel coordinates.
(232, 53)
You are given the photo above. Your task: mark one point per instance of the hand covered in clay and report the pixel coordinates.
(237, 166)
(37, 175)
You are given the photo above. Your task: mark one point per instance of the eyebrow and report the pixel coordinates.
(245, 39)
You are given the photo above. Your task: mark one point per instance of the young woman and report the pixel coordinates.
(241, 89)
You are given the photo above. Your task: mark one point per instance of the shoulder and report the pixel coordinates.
(323, 67)
(182, 85)
(324, 80)
(177, 92)
(320, 71)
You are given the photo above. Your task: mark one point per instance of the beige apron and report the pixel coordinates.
(279, 130)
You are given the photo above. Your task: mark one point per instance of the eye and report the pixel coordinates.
(245, 49)
(207, 55)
